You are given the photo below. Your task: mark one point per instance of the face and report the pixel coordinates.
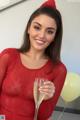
(42, 32)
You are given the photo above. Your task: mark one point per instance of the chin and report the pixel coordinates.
(39, 48)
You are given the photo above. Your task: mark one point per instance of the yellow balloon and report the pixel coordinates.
(71, 88)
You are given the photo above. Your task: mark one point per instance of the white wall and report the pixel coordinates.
(13, 22)
(70, 10)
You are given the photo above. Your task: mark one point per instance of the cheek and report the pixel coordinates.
(50, 39)
(31, 32)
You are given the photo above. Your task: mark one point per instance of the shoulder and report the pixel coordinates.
(8, 50)
(56, 69)
(60, 71)
(8, 53)
(59, 68)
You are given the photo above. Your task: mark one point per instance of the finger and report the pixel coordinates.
(49, 83)
(47, 86)
(47, 95)
(49, 91)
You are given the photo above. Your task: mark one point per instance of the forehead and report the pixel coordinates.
(44, 20)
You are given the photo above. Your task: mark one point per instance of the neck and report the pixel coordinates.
(36, 55)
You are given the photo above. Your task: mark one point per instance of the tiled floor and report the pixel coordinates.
(65, 116)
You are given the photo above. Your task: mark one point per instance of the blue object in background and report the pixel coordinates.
(2, 117)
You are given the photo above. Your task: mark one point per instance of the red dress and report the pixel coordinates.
(16, 86)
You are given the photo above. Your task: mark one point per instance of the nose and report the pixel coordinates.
(42, 34)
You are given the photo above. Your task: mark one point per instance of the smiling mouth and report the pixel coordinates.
(40, 42)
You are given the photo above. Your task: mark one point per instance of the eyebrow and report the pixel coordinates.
(51, 28)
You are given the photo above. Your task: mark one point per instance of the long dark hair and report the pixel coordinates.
(53, 50)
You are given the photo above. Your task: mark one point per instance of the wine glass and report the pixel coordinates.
(38, 97)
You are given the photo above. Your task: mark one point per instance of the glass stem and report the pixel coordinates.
(36, 113)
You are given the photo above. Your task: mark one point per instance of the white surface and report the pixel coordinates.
(65, 116)
(13, 22)
(4, 3)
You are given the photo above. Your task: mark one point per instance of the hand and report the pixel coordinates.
(48, 89)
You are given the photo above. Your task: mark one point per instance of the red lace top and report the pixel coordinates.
(16, 86)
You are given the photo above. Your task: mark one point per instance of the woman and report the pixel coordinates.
(38, 57)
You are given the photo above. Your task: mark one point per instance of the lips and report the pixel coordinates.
(40, 42)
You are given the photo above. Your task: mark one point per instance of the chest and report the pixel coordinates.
(32, 63)
(18, 83)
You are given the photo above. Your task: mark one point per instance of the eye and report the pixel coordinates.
(50, 32)
(36, 27)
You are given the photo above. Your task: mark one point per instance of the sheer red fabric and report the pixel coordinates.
(16, 86)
